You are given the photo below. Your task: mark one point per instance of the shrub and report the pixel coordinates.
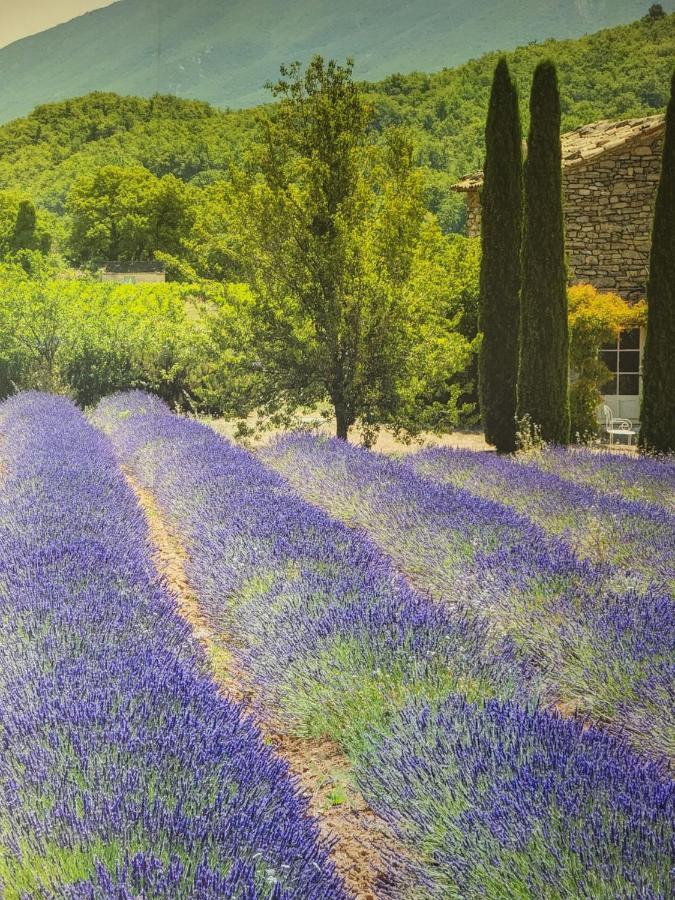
(88, 339)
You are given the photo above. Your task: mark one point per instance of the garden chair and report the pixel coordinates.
(617, 426)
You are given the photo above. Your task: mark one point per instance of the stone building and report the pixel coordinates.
(133, 272)
(610, 176)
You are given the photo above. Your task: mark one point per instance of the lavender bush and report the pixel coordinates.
(122, 772)
(515, 803)
(633, 477)
(332, 636)
(338, 645)
(604, 652)
(636, 538)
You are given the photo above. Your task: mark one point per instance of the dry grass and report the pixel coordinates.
(386, 441)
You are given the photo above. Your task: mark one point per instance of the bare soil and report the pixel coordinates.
(361, 842)
(386, 441)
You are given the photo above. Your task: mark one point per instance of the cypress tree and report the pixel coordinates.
(543, 390)
(24, 237)
(501, 227)
(658, 385)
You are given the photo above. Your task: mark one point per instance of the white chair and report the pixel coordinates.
(617, 426)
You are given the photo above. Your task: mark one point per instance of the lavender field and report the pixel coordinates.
(601, 636)
(123, 773)
(485, 646)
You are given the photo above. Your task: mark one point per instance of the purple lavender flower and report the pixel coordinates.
(634, 537)
(337, 643)
(123, 773)
(315, 613)
(508, 802)
(573, 618)
(642, 478)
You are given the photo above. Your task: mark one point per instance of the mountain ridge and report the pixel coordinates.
(617, 73)
(225, 54)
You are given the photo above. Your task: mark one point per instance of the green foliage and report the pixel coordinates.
(613, 74)
(501, 227)
(544, 339)
(89, 339)
(209, 248)
(222, 53)
(127, 214)
(658, 400)
(194, 344)
(436, 379)
(24, 236)
(298, 222)
(21, 227)
(45, 153)
(338, 250)
(412, 290)
(460, 268)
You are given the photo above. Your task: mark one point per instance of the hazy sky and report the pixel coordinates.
(21, 17)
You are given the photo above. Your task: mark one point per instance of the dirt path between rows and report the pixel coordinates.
(362, 842)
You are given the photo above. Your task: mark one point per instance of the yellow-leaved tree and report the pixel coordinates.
(595, 318)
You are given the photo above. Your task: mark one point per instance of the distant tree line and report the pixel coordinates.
(616, 73)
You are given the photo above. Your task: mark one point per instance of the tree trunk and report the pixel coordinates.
(342, 420)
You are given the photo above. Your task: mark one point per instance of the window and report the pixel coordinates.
(622, 358)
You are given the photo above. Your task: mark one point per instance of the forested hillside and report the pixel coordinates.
(614, 73)
(225, 52)
(46, 151)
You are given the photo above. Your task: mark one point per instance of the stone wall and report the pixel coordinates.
(473, 213)
(609, 207)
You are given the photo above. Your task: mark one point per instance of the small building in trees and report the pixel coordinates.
(610, 177)
(133, 272)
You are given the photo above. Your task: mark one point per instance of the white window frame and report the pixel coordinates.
(626, 406)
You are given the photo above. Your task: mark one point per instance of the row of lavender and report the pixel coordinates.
(603, 648)
(122, 772)
(492, 797)
(630, 477)
(635, 537)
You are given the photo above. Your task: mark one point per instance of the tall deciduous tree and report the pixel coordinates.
(330, 237)
(501, 227)
(658, 398)
(543, 390)
(127, 214)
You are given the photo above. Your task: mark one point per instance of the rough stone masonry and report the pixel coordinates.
(610, 176)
